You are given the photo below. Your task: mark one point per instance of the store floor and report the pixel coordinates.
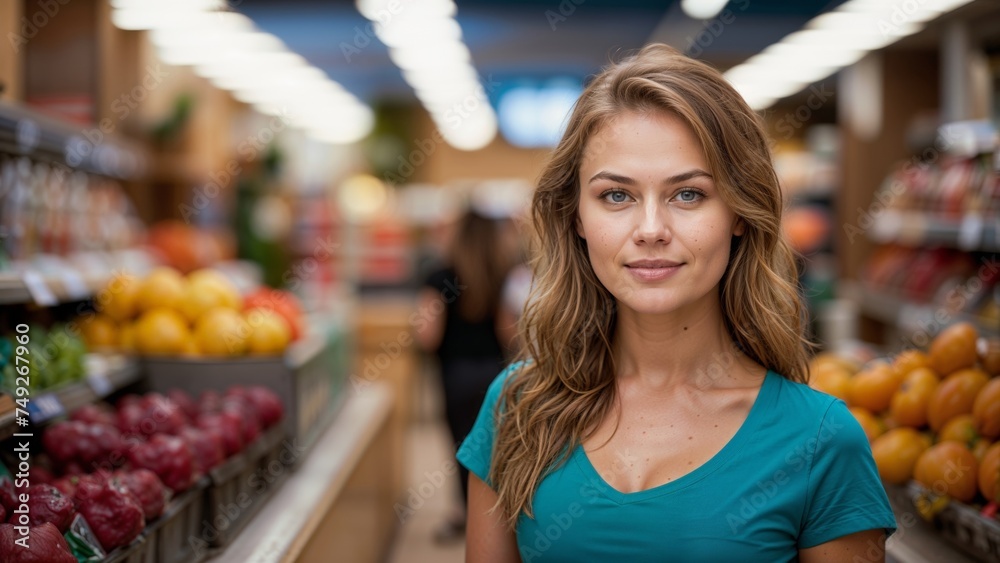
(429, 449)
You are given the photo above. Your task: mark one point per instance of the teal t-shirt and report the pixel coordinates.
(799, 472)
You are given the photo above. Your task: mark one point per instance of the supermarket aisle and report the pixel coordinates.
(429, 450)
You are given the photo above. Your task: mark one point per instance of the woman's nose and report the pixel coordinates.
(653, 225)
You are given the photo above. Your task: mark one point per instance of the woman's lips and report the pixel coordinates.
(648, 272)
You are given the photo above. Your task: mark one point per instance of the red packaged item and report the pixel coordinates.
(46, 504)
(207, 446)
(112, 514)
(47, 545)
(147, 490)
(268, 405)
(167, 456)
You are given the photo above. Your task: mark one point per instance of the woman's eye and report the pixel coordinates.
(616, 197)
(689, 196)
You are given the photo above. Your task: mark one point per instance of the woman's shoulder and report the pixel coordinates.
(806, 402)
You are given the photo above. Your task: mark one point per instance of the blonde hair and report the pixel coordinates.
(552, 401)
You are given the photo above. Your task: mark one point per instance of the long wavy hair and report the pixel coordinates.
(567, 383)
(482, 261)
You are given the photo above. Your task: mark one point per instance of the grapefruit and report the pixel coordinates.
(163, 287)
(221, 332)
(269, 332)
(160, 332)
(99, 332)
(117, 298)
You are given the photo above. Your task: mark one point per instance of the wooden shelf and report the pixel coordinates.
(972, 233)
(908, 317)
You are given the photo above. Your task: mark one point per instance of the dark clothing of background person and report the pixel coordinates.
(470, 357)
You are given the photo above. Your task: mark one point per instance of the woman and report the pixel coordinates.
(661, 413)
(466, 336)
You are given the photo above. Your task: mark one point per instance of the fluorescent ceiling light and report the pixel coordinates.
(400, 33)
(828, 43)
(703, 9)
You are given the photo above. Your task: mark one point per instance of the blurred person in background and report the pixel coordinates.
(468, 338)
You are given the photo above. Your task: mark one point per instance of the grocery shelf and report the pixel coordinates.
(915, 539)
(13, 290)
(39, 136)
(105, 375)
(283, 527)
(914, 228)
(907, 316)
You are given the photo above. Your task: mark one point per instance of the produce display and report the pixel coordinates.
(57, 358)
(113, 470)
(201, 314)
(932, 416)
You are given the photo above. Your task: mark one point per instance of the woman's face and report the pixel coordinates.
(657, 231)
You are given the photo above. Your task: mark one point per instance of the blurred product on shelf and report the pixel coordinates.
(117, 474)
(57, 357)
(188, 248)
(927, 413)
(202, 314)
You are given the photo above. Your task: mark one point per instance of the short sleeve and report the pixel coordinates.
(476, 450)
(439, 279)
(845, 494)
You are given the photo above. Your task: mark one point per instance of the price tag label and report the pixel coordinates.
(45, 407)
(99, 383)
(38, 289)
(76, 287)
(970, 232)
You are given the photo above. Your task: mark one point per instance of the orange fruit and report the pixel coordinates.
(948, 468)
(909, 403)
(986, 409)
(205, 290)
(126, 338)
(160, 332)
(989, 473)
(221, 332)
(118, 297)
(163, 287)
(227, 292)
(870, 423)
(988, 350)
(190, 348)
(954, 396)
(960, 429)
(896, 453)
(954, 349)
(269, 332)
(832, 380)
(981, 447)
(829, 359)
(873, 387)
(909, 360)
(99, 332)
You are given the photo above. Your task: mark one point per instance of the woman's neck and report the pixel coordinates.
(680, 350)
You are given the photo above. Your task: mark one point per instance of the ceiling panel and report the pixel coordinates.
(527, 39)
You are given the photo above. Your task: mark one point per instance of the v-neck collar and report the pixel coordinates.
(761, 403)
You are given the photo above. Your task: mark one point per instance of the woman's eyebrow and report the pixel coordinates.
(675, 179)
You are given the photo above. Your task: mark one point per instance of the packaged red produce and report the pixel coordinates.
(230, 427)
(167, 456)
(207, 446)
(112, 514)
(95, 413)
(185, 402)
(267, 403)
(47, 545)
(46, 504)
(147, 489)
